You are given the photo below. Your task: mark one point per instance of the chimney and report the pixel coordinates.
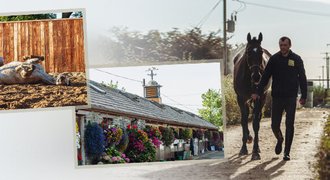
(152, 89)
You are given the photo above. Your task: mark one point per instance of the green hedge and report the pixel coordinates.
(232, 109)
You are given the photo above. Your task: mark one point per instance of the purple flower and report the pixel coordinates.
(123, 155)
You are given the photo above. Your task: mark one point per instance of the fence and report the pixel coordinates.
(60, 41)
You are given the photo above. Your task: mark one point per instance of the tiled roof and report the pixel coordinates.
(109, 99)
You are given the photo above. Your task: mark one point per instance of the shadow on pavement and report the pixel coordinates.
(219, 169)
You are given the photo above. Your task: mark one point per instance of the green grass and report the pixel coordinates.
(323, 165)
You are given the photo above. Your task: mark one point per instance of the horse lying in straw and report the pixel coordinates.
(28, 72)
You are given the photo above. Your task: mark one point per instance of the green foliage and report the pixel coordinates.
(28, 17)
(132, 46)
(176, 132)
(318, 95)
(113, 156)
(232, 109)
(324, 153)
(212, 110)
(208, 135)
(267, 109)
(187, 133)
(140, 148)
(123, 143)
(167, 136)
(112, 85)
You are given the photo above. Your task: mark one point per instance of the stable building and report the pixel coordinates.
(117, 107)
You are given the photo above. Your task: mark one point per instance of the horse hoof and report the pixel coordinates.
(250, 139)
(243, 151)
(255, 156)
(256, 150)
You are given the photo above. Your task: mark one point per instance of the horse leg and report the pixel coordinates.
(244, 123)
(256, 126)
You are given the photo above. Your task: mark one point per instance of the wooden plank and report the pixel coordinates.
(58, 53)
(19, 46)
(67, 47)
(47, 45)
(25, 39)
(72, 45)
(51, 47)
(15, 39)
(8, 42)
(11, 43)
(82, 47)
(30, 38)
(78, 48)
(42, 42)
(1, 40)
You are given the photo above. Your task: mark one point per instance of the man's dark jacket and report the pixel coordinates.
(287, 74)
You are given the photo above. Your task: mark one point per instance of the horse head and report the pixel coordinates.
(254, 57)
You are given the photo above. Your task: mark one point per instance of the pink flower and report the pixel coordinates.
(127, 160)
(123, 155)
(114, 159)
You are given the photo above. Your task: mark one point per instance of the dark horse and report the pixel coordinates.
(248, 69)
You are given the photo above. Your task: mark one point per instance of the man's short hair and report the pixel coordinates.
(284, 38)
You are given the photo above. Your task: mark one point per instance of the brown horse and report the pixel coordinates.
(248, 69)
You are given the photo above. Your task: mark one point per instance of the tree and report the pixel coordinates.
(132, 46)
(77, 14)
(112, 85)
(318, 95)
(28, 17)
(212, 104)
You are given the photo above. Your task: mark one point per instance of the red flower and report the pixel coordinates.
(134, 126)
(129, 126)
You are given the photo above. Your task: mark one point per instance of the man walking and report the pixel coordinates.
(287, 71)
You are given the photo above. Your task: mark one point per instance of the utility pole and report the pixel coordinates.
(327, 58)
(327, 64)
(226, 66)
(327, 92)
(322, 76)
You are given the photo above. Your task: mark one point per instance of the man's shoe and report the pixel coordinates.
(278, 148)
(286, 157)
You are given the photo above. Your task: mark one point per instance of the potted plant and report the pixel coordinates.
(140, 148)
(123, 143)
(113, 136)
(94, 142)
(154, 134)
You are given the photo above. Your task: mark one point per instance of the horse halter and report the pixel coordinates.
(255, 68)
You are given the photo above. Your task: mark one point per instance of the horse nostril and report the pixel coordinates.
(256, 77)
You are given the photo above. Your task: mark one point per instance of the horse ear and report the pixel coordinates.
(249, 37)
(260, 37)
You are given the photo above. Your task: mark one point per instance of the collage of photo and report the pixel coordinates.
(176, 90)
